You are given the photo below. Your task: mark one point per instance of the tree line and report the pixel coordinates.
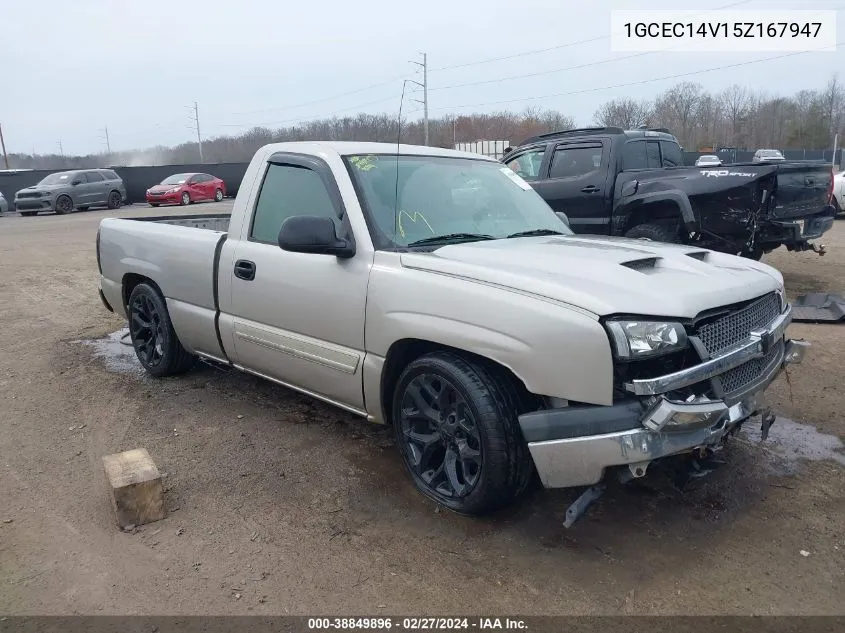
(734, 117)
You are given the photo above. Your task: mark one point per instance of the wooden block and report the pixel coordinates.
(135, 484)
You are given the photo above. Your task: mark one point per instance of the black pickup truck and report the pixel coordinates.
(633, 183)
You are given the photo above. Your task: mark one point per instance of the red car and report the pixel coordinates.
(185, 189)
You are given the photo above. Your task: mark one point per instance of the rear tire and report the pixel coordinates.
(115, 200)
(64, 205)
(455, 423)
(156, 345)
(654, 233)
(218, 195)
(186, 199)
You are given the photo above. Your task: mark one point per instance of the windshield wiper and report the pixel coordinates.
(451, 237)
(535, 232)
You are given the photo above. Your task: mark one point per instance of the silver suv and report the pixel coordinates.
(65, 191)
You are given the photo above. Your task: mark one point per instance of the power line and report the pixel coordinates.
(309, 118)
(538, 51)
(322, 100)
(634, 83)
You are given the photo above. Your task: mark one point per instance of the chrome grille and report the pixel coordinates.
(740, 377)
(735, 327)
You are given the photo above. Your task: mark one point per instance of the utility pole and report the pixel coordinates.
(61, 149)
(196, 120)
(3, 144)
(105, 137)
(424, 85)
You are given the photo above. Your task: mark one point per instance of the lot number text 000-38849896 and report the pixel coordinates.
(723, 31)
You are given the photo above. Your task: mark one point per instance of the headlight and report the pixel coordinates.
(641, 339)
(173, 190)
(45, 193)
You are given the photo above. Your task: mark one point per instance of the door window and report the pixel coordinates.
(528, 164)
(93, 176)
(569, 162)
(287, 191)
(671, 153)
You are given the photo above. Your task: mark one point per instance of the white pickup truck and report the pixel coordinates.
(435, 291)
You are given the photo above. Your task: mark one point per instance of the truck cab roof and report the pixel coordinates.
(350, 148)
(659, 133)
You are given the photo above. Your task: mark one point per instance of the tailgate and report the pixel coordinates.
(802, 190)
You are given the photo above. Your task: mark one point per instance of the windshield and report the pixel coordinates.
(56, 179)
(441, 196)
(176, 179)
(770, 153)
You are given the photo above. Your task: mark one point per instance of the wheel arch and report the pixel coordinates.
(131, 281)
(404, 351)
(656, 207)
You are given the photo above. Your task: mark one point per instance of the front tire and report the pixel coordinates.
(456, 427)
(186, 199)
(64, 205)
(156, 345)
(218, 195)
(654, 233)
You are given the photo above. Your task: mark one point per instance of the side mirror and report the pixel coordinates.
(312, 234)
(75, 182)
(563, 218)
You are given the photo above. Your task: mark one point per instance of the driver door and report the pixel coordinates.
(298, 318)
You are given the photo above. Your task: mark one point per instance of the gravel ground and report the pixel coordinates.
(281, 505)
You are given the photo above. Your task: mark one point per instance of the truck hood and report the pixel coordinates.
(606, 275)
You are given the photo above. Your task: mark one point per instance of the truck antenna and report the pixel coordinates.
(396, 184)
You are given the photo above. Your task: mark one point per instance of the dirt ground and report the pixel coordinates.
(281, 505)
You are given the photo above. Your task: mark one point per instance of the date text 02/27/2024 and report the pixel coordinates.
(415, 624)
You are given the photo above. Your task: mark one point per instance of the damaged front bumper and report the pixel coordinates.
(574, 446)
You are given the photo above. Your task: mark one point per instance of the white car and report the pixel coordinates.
(839, 191)
(768, 156)
(708, 160)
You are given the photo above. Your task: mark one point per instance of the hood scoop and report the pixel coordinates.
(701, 256)
(644, 265)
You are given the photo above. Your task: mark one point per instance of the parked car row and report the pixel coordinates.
(81, 189)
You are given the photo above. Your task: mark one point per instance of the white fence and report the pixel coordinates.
(494, 149)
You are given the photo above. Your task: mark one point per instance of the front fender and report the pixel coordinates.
(554, 349)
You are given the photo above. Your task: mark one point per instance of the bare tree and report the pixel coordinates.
(735, 101)
(625, 113)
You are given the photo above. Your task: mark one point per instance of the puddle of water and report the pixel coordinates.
(790, 442)
(116, 355)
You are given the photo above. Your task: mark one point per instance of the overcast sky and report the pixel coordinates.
(68, 69)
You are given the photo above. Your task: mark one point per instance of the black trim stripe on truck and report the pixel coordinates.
(215, 271)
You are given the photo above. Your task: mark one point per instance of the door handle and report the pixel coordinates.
(590, 189)
(245, 269)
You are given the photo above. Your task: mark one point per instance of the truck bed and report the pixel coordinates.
(177, 252)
